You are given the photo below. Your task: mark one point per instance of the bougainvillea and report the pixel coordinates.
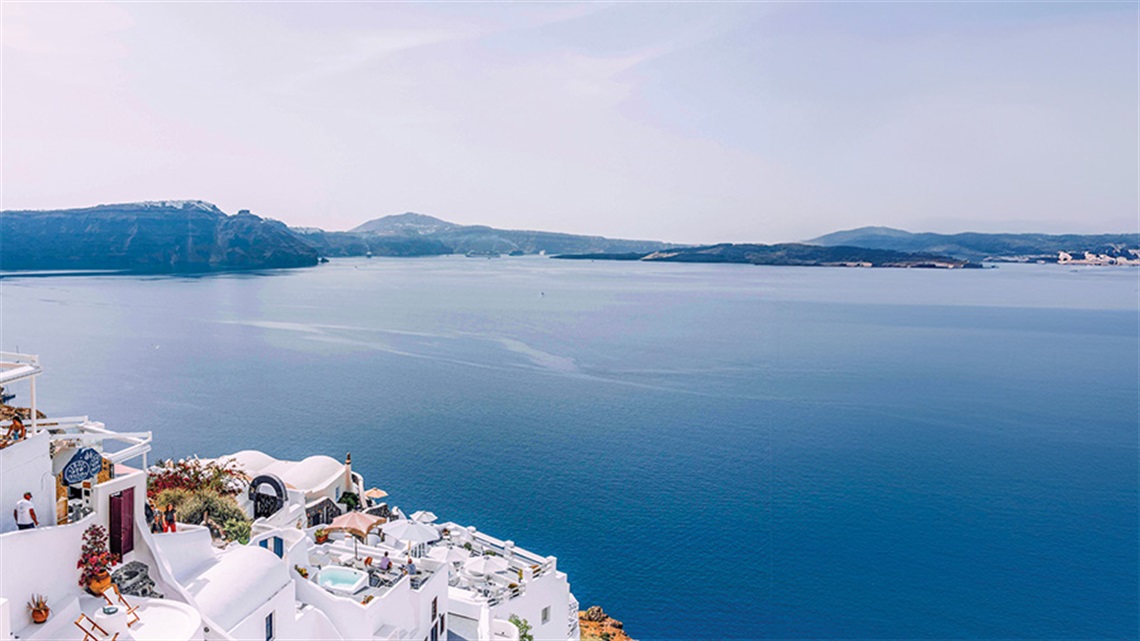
(95, 558)
(223, 478)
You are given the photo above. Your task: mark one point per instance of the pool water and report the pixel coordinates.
(342, 580)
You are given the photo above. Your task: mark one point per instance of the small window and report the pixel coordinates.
(434, 611)
(269, 636)
(546, 614)
(442, 627)
(279, 546)
(434, 634)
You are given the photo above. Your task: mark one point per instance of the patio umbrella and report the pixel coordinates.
(485, 564)
(449, 555)
(423, 516)
(374, 493)
(355, 523)
(410, 531)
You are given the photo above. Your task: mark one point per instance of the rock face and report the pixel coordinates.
(157, 237)
(596, 625)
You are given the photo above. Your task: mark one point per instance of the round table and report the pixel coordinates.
(113, 621)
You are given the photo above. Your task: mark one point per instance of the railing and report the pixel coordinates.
(522, 557)
(79, 430)
(572, 618)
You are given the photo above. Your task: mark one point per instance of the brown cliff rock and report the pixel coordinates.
(596, 625)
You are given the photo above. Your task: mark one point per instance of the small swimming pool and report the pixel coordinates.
(342, 580)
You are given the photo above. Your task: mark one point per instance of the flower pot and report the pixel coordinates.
(99, 584)
(40, 615)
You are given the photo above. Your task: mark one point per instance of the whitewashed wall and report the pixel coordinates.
(26, 467)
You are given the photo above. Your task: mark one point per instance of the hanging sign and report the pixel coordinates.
(84, 465)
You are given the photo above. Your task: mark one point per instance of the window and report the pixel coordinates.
(434, 611)
(279, 546)
(434, 636)
(546, 614)
(441, 624)
(269, 627)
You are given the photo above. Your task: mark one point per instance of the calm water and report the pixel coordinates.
(712, 451)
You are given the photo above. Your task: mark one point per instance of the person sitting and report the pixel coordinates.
(410, 567)
(16, 432)
(385, 563)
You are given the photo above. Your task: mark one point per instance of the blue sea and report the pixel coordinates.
(711, 451)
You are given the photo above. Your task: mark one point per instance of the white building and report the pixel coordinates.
(282, 585)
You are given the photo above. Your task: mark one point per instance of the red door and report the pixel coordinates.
(122, 528)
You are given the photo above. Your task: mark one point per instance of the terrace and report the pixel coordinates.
(503, 578)
(75, 618)
(362, 561)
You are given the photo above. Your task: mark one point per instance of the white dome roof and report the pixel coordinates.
(241, 581)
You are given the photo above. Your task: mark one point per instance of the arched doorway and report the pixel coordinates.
(266, 503)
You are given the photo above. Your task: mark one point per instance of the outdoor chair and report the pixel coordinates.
(92, 631)
(122, 601)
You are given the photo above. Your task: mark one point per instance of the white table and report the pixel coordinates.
(113, 622)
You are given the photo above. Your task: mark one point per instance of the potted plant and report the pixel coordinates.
(94, 560)
(321, 535)
(39, 608)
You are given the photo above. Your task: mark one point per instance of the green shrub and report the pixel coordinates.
(350, 500)
(524, 627)
(237, 530)
(220, 508)
(175, 496)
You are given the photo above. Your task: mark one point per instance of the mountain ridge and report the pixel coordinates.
(979, 246)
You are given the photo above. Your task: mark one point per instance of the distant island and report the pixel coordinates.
(165, 236)
(186, 236)
(411, 234)
(792, 254)
(1101, 248)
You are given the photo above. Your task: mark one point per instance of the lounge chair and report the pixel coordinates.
(122, 601)
(92, 631)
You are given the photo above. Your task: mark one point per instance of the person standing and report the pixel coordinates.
(168, 518)
(151, 517)
(25, 513)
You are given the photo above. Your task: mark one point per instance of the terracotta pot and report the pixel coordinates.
(323, 539)
(39, 616)
(99, 584)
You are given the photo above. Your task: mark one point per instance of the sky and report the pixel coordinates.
(684, 122)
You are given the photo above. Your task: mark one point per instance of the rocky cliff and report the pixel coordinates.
(166, 236)
(596, 625)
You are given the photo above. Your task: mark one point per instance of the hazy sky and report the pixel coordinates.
(685, 122)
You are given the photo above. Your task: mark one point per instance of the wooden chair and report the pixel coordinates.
(122, 602)
(92, 631)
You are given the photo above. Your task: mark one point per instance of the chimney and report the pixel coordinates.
(348, 487)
